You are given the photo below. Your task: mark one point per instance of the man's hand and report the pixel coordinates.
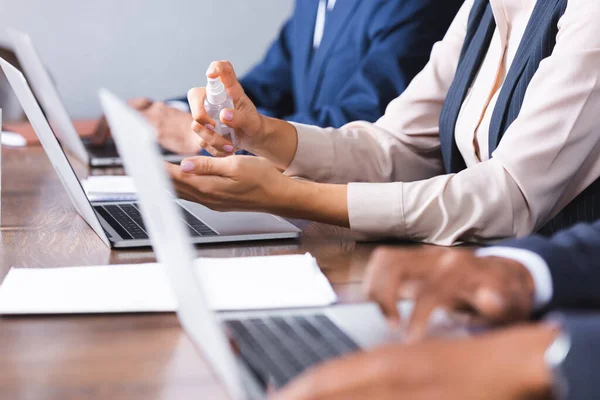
(507, 365)
(240, 183)
(173, 128)
(102, 132)
(497, 289)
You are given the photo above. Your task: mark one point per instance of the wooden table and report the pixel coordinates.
(116, 357)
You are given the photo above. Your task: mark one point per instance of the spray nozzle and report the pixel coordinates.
(215, 91)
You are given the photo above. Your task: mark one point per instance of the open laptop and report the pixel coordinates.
(94, 155)
(120, 224)
(272, 347)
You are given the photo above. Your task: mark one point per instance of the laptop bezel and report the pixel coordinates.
(136, 141)
(53, 149)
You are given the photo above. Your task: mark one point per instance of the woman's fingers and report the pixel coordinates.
(212, 140)
(235, 119)
(196, 97)
(206, 166)
(225, 71)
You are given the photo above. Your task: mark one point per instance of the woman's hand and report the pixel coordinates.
(246, 183)
(500, 366)
(273, 139)
(245, 119)
(241, 183)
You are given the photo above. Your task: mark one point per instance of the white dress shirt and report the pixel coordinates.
(537, 267)
(325, 6)
(549, 154)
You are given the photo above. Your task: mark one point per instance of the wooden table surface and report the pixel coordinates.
(116, 357)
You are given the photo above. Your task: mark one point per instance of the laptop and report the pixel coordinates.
(120, 224)
(271, 347)
(104, 155)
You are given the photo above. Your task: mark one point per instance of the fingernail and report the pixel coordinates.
(187, 166)
(227, 115)
(209, 127)
(211, 71)
(228, 148)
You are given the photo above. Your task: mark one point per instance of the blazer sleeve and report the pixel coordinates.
(573, 257)
(401, 35)
(581, 368)
(269, 83)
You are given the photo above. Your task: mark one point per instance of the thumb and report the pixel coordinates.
(204, 165)
(235, 119)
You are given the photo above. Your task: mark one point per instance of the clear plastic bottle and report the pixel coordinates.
(217, 99)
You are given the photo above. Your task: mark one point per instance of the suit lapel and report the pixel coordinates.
(537, 24)
(335, 21)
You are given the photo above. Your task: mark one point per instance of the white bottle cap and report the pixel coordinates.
(215, 91)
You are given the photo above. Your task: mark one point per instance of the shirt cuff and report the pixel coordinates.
(376, 209)
(537, 267)
(179, 105)
(314, 156)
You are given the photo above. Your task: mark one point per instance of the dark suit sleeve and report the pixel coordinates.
(401, 34)
(573, 257)
(269, 83)
(581, 368)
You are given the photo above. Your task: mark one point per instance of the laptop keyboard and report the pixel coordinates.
(126, 220)
(278, 349)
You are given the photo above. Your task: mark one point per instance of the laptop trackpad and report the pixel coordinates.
(238, 223)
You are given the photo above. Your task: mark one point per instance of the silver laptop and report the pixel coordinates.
(272, 347)
(94, 155)
(120, 224)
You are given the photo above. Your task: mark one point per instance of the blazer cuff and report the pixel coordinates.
(314, 157)
(564, 290)
(375, 209)
(536, 265)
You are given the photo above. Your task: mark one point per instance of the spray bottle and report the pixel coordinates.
(217, 99)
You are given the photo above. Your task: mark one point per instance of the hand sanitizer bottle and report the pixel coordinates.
(217, 99)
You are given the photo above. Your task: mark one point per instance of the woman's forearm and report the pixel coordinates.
(319, 202)
(278, 142)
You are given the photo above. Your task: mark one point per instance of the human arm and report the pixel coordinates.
(505, 365)
(547, 157)
(408, 156)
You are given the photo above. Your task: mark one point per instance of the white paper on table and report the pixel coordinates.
(255, 283)
(109, 188)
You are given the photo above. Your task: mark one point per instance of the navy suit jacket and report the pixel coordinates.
(371, 50)
(573, 257)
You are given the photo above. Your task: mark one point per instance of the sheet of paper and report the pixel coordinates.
(109, 188)
(228, 284)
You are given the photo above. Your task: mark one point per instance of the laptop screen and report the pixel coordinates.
(52, 147)
(136, 142)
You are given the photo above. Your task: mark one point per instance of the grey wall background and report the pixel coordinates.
(153, 48)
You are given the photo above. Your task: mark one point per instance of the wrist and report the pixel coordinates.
(278, 142)
(311, 201)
